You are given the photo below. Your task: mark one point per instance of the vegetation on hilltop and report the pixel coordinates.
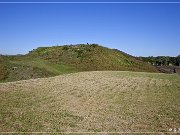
(91, 57)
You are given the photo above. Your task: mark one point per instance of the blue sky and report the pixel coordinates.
(137, 29)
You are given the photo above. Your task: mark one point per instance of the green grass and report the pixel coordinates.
(91, 58)
(43, 64)
(101, 101)
(29, 67)
(51, 61)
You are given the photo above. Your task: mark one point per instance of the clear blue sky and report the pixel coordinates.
(137, 29)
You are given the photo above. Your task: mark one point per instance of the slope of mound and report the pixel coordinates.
(51, 61)
(14, 68)
(91, 57)
(106, 101)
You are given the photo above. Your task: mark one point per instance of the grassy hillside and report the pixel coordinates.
(29, 68)
(52, 61)
(91, 57)
(100, 101)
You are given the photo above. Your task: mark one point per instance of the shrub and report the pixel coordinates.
(3, 72)
(65, 48)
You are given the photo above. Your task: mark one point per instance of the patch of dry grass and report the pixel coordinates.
(108, 101)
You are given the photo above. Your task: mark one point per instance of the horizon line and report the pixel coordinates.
(88, 2)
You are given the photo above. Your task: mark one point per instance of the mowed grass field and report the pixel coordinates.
(99, 101)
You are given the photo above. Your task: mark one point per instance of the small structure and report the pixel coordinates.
(14, 68)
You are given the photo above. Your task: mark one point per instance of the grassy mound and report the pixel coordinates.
(51, 61)
(91, 57)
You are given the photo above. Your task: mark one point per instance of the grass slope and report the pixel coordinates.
(52, 61)
(29, 68)
(91, 57)
(99, 101)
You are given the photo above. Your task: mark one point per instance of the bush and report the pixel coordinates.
(94, 45)
(65, 48)
(3, 72)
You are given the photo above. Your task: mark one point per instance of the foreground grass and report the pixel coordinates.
(108, 101)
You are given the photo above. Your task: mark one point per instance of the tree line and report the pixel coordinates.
(162, 60)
